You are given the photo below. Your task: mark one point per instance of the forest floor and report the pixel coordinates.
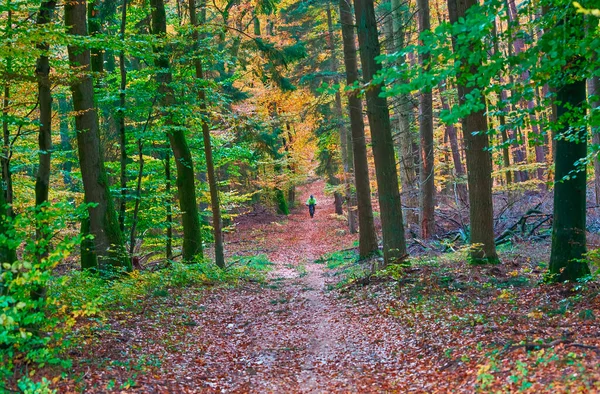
(439, 326)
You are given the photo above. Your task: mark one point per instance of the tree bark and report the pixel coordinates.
(169, 210)
(108, 243)
(403, 115)
(426, 173)
(479, 161)
(367, 239)
(594, 90)
(339, 118)
(192, 236)
(461, 188)
(65, 141)
(569, 245)
(42, 71)
(210, 166)
(568, 230)
(394, 244)
(94, 27)
(121, 117)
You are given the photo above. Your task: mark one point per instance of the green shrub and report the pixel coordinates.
(31, 322)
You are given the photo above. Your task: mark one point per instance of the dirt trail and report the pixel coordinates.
(294, 335)
(289, 335)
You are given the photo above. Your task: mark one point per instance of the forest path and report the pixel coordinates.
(293, 335)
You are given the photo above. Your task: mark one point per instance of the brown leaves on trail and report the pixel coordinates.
(441, 326)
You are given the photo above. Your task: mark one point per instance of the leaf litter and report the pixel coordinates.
(440, 326)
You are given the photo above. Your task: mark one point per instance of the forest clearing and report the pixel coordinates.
(299, 196)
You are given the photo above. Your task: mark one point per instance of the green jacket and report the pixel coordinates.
(311, 201)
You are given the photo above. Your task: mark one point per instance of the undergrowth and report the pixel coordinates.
(40, 334)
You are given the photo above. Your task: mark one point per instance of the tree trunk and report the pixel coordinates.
(210, 166)
(569, 245)
(94, 28)
(42, 71)
(502, 118)
(103, 225)
(169, 210)
(186, 189)
(568, 231)
(339, 118)
(65, 141)
(121, 117)
(408, 169)
(138, 197)
(479, 161)
(394, 245)
(594, 90)
(7, 186)
(426, 173)
(461, 188)
(367, 238)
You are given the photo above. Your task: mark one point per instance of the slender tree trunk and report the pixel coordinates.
(169, 210)
(138, 197)
(502, 118)
(367, 240)
(42, 71)
(479, 161)
(186, 189)
(103, 225)
(65, 141)
(594, 90)
(121, 116)
(426, 173)
(7, 252)
(404, 104)
(461, 188)
(210, 166)
(394, 245)
(7, 186)
(339, 118)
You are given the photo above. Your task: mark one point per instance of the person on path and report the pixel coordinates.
(311, 202)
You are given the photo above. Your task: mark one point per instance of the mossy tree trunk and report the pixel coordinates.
(186, 188)
(108, 244)
(210, 166)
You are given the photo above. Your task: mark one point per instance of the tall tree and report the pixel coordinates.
(479, 160)
(426, 159)
(108, 246)
(394, 244)
(569, 230)
(210, 166)
(186, 188)
(367, 240)
(121, 117)
(594, 91)
(7, 252)
(42, 71)
(403, 113)
(339, 117)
